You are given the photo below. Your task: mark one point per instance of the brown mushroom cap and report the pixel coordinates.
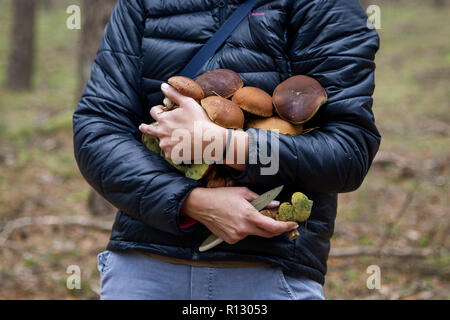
(223, 112)
(272, 123)
(187, 87)
(217, 182)
(220, 82)
(298, 98)
(254, 100)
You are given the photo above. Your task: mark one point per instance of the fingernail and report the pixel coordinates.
(275, 203)
(164, 86)
(296, 226)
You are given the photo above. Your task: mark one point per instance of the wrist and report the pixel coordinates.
(189, 208)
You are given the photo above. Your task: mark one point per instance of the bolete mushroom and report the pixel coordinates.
(197, 171)
(217, 182)
(298, 98)
(254, 100)
(187, 87)
(223, 112)
(193, 171)
(276, 123)
(152, 143)
(298, 210)
(220, 82)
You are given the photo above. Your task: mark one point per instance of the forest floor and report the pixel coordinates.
(403, 205)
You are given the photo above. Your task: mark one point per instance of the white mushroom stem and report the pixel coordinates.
(168, 103)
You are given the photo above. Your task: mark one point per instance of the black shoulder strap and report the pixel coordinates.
(210, 48)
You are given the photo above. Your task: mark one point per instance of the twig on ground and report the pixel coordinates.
(20, 223)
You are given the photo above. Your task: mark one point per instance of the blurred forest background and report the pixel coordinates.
(50, 219)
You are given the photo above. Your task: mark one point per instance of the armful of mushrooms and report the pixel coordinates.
(232, 105)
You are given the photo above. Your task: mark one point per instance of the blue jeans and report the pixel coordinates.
(133, 276)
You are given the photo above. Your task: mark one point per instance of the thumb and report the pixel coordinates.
(172, 93)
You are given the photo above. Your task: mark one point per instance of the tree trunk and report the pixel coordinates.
(95, 15)
(21, 53)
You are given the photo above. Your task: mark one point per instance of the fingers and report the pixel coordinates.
(171, 93)
(156, 112)
(264, 233)
(274, 204)
(150, 129)
(272, 226)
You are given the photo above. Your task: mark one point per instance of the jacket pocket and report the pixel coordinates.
(301, 288)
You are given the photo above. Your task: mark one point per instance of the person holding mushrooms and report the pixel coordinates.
(163, 216)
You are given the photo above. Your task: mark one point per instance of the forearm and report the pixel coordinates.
(132, 178)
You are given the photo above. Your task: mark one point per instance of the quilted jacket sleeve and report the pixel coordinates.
(107, 142)
(329, 41)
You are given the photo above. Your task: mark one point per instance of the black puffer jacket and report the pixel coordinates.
(147, 41)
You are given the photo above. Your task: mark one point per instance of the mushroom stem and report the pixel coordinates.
(293, 234)
(186, 87)
(168, 104)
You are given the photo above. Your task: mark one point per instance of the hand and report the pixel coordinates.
(228, 213)
(188, 116)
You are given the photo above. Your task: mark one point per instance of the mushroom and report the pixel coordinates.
(152, 143)
(220, 82)
(298, 98)
(197, 171)
(276, 123)
(187, 87)
(220, 110)
(299, 210)
(254, 100)
(194, 171)
(217, 182)
(223, 112)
